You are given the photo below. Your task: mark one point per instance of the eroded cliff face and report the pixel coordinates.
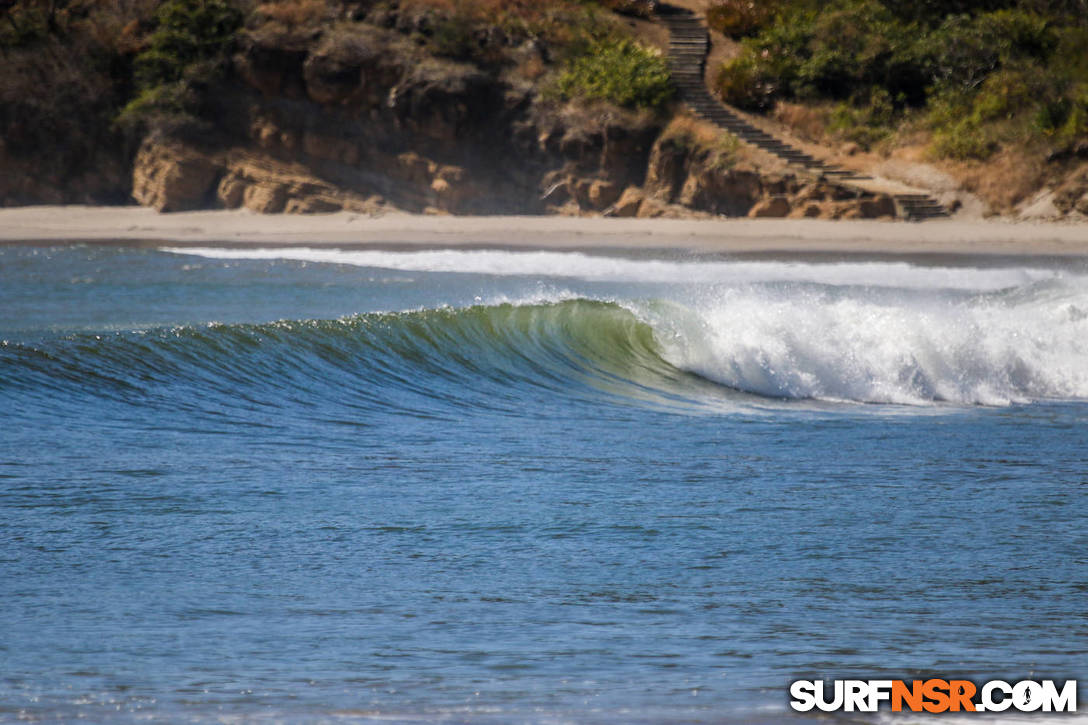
(358, 115)
(685, 179)
(360, 119)
(363, 121)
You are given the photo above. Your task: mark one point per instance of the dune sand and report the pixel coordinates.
(142, 226)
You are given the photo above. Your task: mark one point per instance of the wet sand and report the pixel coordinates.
(142, 226)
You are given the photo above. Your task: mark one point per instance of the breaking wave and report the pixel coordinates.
(780, 340)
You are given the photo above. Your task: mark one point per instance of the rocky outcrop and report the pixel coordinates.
(694, 176)
(628, 204)
(565, 160)
(359, 108)
(1072, 195)
(360, 114)
(172, 177)
(363, 113)
(775, 207)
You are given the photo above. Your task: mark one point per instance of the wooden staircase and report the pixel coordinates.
(688, 47)
(920, 206)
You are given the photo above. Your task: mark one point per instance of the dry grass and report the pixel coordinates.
(559, 21)
(719, 147)
(695, 131)
(294, 13)
(483, 9)
(532, 69)
(115, 24)
(810, 123)
(1005, 180)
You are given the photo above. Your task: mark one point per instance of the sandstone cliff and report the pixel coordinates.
(357, 111)
(361, 119)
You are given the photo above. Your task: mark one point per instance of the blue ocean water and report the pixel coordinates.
(493, 486)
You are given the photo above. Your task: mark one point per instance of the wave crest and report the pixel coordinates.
(989, 349)
(791, 341)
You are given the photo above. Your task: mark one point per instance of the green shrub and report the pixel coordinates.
(845, 49)
(1075, 127)
(775, 55)
(171, 100)
(862, 46)
(187, 31)
(963, 140)
(965, 50)
(23, 24)
(185, 52)
(455, 37)
(1008, 92)
(1052, 114)
(839, 52)
(620, 71)
(974, 125)
(742, 82)
(932, 12)
(866, 123)
(1069, 61)
(1064, 118)
(980, 74)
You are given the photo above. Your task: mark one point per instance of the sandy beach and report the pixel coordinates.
(143, 226)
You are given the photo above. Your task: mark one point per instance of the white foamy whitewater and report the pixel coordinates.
(852, 331)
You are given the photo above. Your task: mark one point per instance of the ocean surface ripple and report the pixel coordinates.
(314, 485)
(778, 340)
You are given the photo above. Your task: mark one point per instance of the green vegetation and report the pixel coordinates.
(187, 32)
(454, 36)
(186, 49)
(164, 56)
(978, 75)
(619, 71)
(484, 31)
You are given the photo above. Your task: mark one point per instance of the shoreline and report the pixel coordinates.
(141, 226)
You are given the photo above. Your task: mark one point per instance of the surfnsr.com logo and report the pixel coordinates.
(934, 695)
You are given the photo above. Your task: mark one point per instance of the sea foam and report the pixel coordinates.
(857, 331)
(577, 265)
(904, 347)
